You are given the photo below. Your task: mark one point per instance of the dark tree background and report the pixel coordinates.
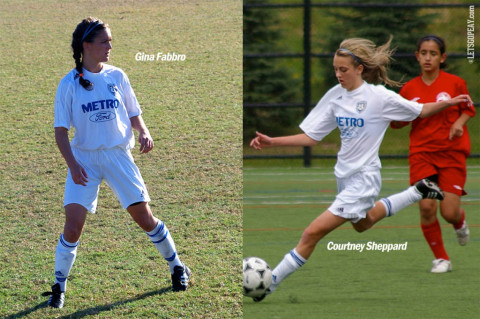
(264, 81)
(406, 25)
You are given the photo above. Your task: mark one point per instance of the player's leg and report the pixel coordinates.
(163, 241)
(452, 178)
(387, 207)
(374, 215)
(75, 216)
(297, 257)
(142, 215)
(425, 165)
(124, 178)
(355, 197)
(455, 215)
(317, 229)
(157, 231)
(433, 235)
(450, 208)
(66, 251)
(78, 199)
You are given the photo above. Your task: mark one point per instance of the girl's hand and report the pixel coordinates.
(261, 141)
(462, 98)
(79, 175)
(146, 142)
(455, 131)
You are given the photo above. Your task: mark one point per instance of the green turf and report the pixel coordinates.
(280, 202)
(193, 111)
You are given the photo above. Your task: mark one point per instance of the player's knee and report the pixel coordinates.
(71, 233)
(428, 209)
(451, 216)
(311, 236)
(143, 216)
(360, 228)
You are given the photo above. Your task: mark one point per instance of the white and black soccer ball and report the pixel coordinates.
(257, 276)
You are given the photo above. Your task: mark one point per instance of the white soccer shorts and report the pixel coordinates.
(357, 194)
(117, 168)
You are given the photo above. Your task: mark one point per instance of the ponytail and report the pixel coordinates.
(375, 60)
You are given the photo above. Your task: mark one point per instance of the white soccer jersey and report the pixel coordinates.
(362, 116)
(101, 117)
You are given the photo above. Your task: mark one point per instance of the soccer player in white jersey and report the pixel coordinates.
(97, 100)
(362, 111)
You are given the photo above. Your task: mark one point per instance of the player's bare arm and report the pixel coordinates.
(430, 109)
(79, 175)
(264, 141)
(144, 137)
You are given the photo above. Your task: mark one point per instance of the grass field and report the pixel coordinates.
(280, 202)
(193, 111)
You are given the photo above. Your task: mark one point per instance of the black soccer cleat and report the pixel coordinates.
(429, 189)
(57, 297)
(180, 278)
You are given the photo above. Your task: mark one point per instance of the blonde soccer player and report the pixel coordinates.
(362, 111)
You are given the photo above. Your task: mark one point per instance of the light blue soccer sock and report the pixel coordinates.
(64, 258)
(289, 264)
(395, 203)
(163, 241)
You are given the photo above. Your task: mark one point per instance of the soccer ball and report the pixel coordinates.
(257, 276)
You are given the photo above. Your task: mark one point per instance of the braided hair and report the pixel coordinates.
(86, 31)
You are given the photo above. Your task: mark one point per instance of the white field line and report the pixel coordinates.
(313, 196)
(322, 180)
(307, 173)
(321, 199)
(316, 202)
(297, 202)
(318, 170)
(323, 168)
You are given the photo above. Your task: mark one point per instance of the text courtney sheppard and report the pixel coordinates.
(369, 246)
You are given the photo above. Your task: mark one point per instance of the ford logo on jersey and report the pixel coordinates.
(102, 116)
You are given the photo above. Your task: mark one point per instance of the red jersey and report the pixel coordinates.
(431, 134)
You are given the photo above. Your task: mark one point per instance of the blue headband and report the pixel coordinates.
(352, 55)
(90, 28)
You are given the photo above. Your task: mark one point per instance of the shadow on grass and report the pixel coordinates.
(94, 310)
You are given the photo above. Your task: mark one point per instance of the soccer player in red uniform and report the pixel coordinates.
(439, 146)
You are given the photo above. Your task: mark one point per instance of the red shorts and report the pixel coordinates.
(450, 168)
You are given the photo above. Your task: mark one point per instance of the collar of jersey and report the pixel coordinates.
(88, 73)
(356, 91)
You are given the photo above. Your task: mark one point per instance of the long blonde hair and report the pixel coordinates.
(375, 60)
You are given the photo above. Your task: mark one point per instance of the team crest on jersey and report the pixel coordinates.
(112, 88)
(443, 96)
(361, 106)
